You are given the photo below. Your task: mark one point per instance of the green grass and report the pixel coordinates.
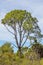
(41, 62)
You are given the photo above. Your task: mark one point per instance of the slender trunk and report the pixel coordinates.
(20, 52)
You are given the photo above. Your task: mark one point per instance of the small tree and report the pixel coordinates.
(38, 48)
(23, 25)
(7, 56)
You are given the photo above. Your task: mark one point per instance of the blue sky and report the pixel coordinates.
(33, 6)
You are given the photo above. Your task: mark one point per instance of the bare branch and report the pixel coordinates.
(25, 40)
(9, 30)
(23, 35)
(19, 31)
(14, 45)
(16, 35)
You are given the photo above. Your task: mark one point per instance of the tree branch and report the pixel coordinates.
(23, 35)
(20, 34)
(9, 30)
(25, 40)
(16, 35)
(14, 45)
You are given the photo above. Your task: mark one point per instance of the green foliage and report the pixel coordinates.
(18, 16)
(7, 55)
(6, 48)
(38, 48)
(11, 58)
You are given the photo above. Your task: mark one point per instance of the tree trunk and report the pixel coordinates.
(20, 52)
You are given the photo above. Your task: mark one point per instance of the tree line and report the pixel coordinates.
(8, 57)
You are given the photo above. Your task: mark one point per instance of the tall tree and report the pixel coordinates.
(24, 26)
